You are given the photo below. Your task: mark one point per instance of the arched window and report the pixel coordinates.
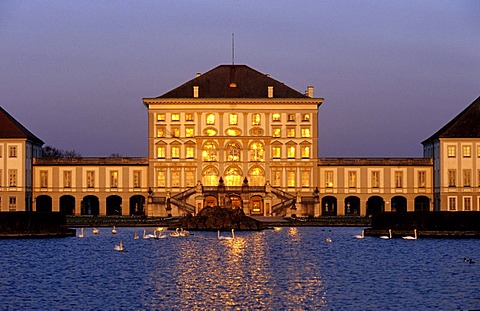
(233, 177)
(209, 152)
(210, 176)
(233, 151)
(256, 176)
(257, 151)
(256, 119)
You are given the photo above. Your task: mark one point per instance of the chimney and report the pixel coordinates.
(270, 91)
(195, 91)
(310, 91)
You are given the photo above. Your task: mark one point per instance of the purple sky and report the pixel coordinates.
(391, 72)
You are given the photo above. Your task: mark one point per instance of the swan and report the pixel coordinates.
(95, 231)
(414, 237)
(360, 236)
(114, 231)
(175, 233)
(226, 237)
(119, 248)
(328, 240)
(135, 236)
(81, 235)
(386, 237)
(148, 236)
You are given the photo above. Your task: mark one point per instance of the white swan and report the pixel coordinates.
(226, 237)
(408, 237)
(148, 236)
(114, 231)
(179, 232)
(95, 231)
(362, 236)
(387, 237)
(328, 240)
(81, 235)
(135, 236)
(119, 248)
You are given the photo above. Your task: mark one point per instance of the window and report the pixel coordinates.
(452, 178)
(422, 179)
(137, 179)
(305, 152)
(291, 152)
(233, 152)
(467, 151)
(451, 151)
(1, 152)
(329, 179)
(175, 117)
(277, 152)
(161, 117)
(291, 179)
(256, 119)
(210, 177)
(190, 152)
(161, 152)
(256, 176)
(233, 177)
(175, 179)
(452, 203)
(291, 117)
(306, 132)
(291, 132)
(467, 178)
(161, 178)
(175, 132)
(467, 203)
(398, 179)
(233, 119)
(12, 204)
(306, 117)
(352, 179)
(375, 179)
(67, 179)
(478, 151)
(256, 151)
(210, 132)
(90, 179)
(1, 177)
(478, 179)
(210, 119)
(277, 178)
(189, 179)
(43, 179)
(305, 176)
(277, 132)
(276, 117)
(189, 132)
(12, 151)
(209, 152)
(12, 178)
(189, 117)
(175, 152)
(160, 132)
(113, 179)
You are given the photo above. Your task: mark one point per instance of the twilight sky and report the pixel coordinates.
(391, 72)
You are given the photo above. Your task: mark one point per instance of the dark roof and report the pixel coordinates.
(11, 128)
(233, 81)
(464, 125)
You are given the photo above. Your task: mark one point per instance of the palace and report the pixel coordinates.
(237, 138)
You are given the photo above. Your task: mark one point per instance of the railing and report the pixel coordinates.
(184, 194)
(282, 194)
(375, 161)
(183, 205)
(91, 161)
(283, 205)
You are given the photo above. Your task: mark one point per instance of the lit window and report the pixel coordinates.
(291, 132)
(305, 152)
(352, 179)
(256, 119)
(305, 175)
(209, 152)
(277, 132)
(329, 179)
(233, 119)
(276, 117)
(467, 178)
(467, 203)
(90, 179)
(189, 132)
(160, 132)
(305, 132)
(175, 152)
(291, 117)
(161, 178)
(210, 177)
(305, 117)
(137, 179)
(375, 179)
(12, 152)
(12, 178)
(43, 179)
(189, 117)
(161, 152)
(451, 151)
(276, 152)
(175, 132)
(113, 179)
(160, 117)
(189, 179)
(210, 132)
(422, 179)
(233, 177)
(291, 179)
(452, 203)
(233, 152)
(256, 177)
(210, 119)
(277, 178)
(452, 178)
(190, 150)
(233, 132)
(67, 179)
(12, 204)
(291, 152)
(256, 151)
(467, 151)
(398, 179)
(478, 151)
(175, 117)
(175, 179)
(1, 174)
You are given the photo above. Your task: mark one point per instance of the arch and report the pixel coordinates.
(352, 206)
(67, 204)
(44, 204)
(399, 204)
(137, 205)
(375, 204)
(256, 151)
(256, 205)
(233, 151)
(256, 176)
(210, 200)
(422, 204)
(329, 206)
(233, 176)
(233, 201)
(90, 205)
(210, 176)
(114, 205)
(209, 152)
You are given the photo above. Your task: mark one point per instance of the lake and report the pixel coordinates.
(289, 269)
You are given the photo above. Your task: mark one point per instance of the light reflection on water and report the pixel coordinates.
(289, 269)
